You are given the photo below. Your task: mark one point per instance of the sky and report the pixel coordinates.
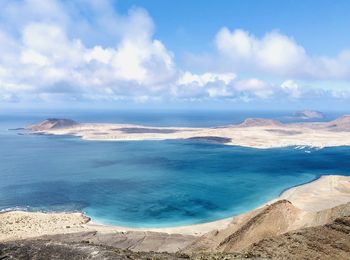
(225, 54)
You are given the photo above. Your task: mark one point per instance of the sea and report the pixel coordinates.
(151, 183)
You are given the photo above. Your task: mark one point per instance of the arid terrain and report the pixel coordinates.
(253, 132)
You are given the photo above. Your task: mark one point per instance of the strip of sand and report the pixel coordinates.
(326, 192)
(323, 193)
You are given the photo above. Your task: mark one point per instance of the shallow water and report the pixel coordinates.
(150, 183)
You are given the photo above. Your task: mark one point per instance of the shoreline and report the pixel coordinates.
(198, 228)
(325, 192)
(223, 223)
(302, 184)
(253, 132)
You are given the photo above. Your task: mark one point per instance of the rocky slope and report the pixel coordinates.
(254, 122)
(340, 124)
(53, 123)
(269, 221)
(248, 228)
(330, 241)
(47, 249)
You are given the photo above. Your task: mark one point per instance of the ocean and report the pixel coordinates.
(151, 183)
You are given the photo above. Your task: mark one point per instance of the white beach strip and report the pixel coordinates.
(325, 192)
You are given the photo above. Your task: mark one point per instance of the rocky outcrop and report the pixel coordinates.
(339, 124)
(330, 241)
(249, 228)
(272, 220)
(53, 123)
(252, 122)
(48, 249)
(268, 221)
(132, 240)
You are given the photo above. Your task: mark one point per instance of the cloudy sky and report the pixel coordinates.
(267, 54)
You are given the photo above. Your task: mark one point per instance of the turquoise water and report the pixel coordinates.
(150, 183)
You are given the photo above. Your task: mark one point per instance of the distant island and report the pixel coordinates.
(252, 132)
(53, 123)
(309, 114)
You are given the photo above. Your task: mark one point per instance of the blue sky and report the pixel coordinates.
(248, 54)
(190, 25)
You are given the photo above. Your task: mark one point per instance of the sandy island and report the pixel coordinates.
(256, 133)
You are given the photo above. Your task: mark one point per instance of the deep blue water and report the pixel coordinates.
(149, 183)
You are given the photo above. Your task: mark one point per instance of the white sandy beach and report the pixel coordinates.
(324, 193)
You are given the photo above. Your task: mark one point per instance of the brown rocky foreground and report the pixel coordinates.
(330, 241)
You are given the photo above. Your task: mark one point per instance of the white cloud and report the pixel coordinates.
(45, 58)
(254, 87)
(190, 85)
(52, 49)
(278, 55)
(340, 94)
(201, 80)
(219, 92)
(291, 88)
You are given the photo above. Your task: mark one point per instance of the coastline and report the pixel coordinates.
(298, 185)
(323, 193)
(253, 133)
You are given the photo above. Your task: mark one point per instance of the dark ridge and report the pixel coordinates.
(283, 132)
(46, 249)
(214, 139)
(142, 130)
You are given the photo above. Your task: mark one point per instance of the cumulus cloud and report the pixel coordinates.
(291, 88)
(74, 50)
(254, 87)
(204, 85)
(279, 55)
(201, 80)
(41, 56)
